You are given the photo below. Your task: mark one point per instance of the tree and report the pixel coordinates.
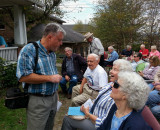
(151, 29)
(81, 28)
(116, 22)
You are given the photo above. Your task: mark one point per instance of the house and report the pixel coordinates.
(72, 39)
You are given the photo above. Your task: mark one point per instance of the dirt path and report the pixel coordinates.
(61, 113)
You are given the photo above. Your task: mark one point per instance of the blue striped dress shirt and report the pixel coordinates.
(46, 66)
(103, 105)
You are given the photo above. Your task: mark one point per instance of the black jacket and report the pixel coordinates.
(133, 122)
(80, 66)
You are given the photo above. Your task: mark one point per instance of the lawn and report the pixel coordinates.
(16, 119)
(11, 119)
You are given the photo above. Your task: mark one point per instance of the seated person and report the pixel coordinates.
(130, 96)
(95, 78)
(149, 72)
(154, 52)
(73, 68)
(113, 56)
(144, 52)
(154, 96)
(127, 52)
(2, 42)
(102, 104)
(137, 63)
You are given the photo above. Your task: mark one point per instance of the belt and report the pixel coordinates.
(40, 95)
(92, 88)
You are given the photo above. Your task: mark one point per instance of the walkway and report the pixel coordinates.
(61, 113)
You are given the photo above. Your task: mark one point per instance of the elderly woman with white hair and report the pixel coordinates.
(130, 93)
(102, 104)
(154, 52)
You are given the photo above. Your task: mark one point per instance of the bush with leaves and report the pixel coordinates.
(7, 74)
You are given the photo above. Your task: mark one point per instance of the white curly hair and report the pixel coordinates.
(135, 88)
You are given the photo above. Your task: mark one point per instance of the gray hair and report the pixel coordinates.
(67, 48)
(154, 47)
(135, 88)
(142, 45)
(94, 55)
(123, 65)
(128, 46)
(111, 47)
(53, 28)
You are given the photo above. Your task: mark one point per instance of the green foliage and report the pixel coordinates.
(117, 22)
(7, 74)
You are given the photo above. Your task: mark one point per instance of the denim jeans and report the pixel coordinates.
(73, 82)
(153, 103)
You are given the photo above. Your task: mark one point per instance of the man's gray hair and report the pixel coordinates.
(53, 28)
(94, 55)
(111, 47)
(135, 88)
(67, 48)
(142, 45)
(128, 46)
(123, 65)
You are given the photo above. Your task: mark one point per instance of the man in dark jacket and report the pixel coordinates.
(73, 68)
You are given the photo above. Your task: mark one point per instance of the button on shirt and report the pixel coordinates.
(46, 66)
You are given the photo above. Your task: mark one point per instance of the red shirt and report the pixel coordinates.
(144, 52)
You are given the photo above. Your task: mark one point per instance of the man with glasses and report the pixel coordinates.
(137, 63)
(95, 78)
(43, 83)
(103, 103)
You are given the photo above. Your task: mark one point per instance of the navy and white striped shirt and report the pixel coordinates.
(103, 105)
(46, 66)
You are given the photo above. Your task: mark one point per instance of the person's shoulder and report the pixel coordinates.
(136, 121)
(28, 48)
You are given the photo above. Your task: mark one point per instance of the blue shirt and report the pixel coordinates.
(2, 41)
(114, 56)
(46, 66)
(103, 105)
(116, 122)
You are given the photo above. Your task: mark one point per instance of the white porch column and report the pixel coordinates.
(20, 35)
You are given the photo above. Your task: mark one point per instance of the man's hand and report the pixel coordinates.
(67, 77)
(55, 78)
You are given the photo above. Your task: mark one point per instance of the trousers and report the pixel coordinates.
(41, 112)
(78, 99)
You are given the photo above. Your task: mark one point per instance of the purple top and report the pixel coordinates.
(149, 72)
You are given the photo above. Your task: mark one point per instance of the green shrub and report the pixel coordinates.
(7, 74)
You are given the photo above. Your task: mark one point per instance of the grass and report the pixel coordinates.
(16, 119)
(11, 119)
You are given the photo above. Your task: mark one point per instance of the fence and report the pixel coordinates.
(9, 53)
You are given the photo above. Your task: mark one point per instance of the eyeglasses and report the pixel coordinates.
(116, 85)
(135, 56)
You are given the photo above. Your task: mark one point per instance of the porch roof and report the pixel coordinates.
(5, 3)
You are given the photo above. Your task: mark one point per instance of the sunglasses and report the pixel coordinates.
(116, 85)
(135, 56)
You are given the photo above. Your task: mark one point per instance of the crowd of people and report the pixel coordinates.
(117, 102)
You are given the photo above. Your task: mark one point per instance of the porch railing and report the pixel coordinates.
(9, 53)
